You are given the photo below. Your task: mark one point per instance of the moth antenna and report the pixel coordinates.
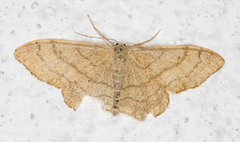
(94, 36)
(138, 44)
(128, 43)
(99, 32)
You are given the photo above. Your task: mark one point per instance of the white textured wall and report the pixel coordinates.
(31, 110)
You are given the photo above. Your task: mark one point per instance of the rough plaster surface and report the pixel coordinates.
(31, 110)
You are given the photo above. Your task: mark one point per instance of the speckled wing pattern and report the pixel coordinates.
(86, 68)
(152, 70)
(75, 67)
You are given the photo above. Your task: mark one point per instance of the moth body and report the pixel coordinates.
(120, 57)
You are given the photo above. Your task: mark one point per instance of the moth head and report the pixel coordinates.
(120, 47)
(120, 44)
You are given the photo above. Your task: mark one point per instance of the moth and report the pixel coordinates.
(128, 79)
